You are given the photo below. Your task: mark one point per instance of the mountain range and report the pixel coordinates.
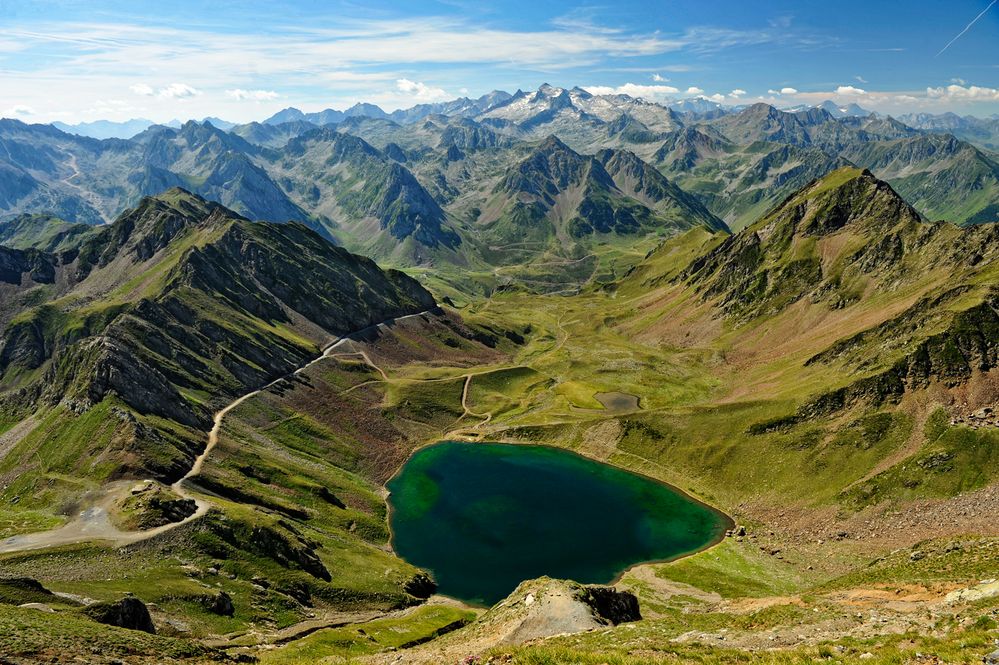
(408, 187)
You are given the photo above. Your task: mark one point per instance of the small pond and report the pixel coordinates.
(483, 517)
(618, 401)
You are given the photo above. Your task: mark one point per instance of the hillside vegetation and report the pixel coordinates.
(201, 412)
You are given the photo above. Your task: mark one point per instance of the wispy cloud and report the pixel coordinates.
(650, 92)
(251, 95)
(967, 27)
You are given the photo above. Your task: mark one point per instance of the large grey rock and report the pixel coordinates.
(220, 604)
(129, 612)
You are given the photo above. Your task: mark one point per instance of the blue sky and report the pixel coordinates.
(76, 60)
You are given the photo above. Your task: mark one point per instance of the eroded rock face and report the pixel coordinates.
(281, 543)
(129, 612)
(420, 586)
(613, 605)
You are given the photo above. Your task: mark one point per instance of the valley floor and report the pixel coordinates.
(822, 573)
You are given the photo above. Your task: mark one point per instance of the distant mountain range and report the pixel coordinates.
(107, 129)
(981, 131)
(459, 182)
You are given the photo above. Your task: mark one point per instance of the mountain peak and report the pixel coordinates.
(553, 143)
(762, 109)
(844, 110)
(845, 226)
(177, 200)
(847, 196)
(815, 115)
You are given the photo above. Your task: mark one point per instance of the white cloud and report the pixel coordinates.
(738, 92)
(654, 92)
(254, 95)
(694, 90)
(788, 91)
(172, 91)
(717, 97)
(421, 91)
(860, 79)
(659, 78)
(960, 92)
(19, 110)
(850, 91)
(958, 81)
(177, 91)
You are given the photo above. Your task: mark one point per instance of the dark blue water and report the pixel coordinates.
(485, 517)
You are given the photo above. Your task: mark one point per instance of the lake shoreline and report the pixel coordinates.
(617, 479)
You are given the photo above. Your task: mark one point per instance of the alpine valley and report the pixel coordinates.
(222, 343)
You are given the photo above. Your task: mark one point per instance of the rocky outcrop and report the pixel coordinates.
(970, 344)
(613, 605)
(545, 607)
(420, 586)
(470, 135)
(280, 542)
(129, 612)
(17, 266)
(149, 506)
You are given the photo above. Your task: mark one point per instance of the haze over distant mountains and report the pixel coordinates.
(464, 106)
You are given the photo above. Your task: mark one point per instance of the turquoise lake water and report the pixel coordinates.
(484, 517)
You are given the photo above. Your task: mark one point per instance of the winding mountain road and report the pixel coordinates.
(94, 523)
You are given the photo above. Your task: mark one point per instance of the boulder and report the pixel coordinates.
(129, 612)
(220, 604)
